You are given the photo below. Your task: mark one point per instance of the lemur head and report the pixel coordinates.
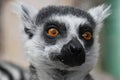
(62, 37)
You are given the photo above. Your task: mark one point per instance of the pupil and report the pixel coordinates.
(53, 32)
(87, 35)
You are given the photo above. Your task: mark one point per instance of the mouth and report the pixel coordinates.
(63, 72)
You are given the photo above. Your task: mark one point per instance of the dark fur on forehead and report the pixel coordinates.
(62, 10)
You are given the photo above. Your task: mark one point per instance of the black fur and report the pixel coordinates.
(88, 77)
(33, 73)
(54, 24)
(5, 71)
(86, 28)
(72, 54)
(45, 13)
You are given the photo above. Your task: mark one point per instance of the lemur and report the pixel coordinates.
(61, 42)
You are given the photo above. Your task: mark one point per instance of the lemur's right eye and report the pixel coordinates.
(53, 32)
(87, 35)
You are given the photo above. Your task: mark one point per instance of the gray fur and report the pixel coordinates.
(45, 13)
(58, 75)
(39, 51)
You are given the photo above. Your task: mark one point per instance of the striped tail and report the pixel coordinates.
(9, 71)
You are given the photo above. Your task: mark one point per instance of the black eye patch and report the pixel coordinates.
(82, 30)
(56, 25)
(28, 32)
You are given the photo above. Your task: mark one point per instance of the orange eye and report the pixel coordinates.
(87, 36)
(53, 32)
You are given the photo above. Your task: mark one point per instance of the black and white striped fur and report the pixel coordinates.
(10, 71)
(42, 50)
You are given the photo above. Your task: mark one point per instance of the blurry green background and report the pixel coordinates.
(111, 59)
(108, 67)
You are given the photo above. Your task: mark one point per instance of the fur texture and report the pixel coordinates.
(10, 71)
(39, 48)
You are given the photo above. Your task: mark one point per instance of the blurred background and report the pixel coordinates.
(11, 48)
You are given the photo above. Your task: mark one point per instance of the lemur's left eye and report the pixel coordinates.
(87, 35)
(53, 32)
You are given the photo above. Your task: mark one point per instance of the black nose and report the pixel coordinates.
(72, 54)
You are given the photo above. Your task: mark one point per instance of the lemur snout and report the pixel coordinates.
(72, 53)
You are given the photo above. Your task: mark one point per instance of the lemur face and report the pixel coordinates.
(62, 37)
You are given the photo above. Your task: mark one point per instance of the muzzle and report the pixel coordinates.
(72, 53)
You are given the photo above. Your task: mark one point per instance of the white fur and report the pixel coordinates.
(15, 72)
(27, 20)
(100, 13)
(72, 23)
(38, 52)
(3, 76)
(31, 10)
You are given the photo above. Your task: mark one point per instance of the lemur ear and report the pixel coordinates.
(27, 15)
(99, 13)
